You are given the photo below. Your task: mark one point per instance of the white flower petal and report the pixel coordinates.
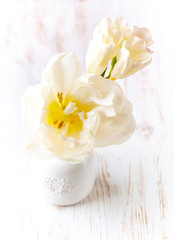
(110, 39)
(129, 60)
(71, 108)
(123, 64)
(61, 71)
(92, 122)
(115, 113)
(99, 103)
(97, 58)
(143, 33)
(66, 147)
(121, 23)
(115, 130)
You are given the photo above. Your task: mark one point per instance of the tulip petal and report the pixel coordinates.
(114, 38)
(61, 71)
(70, 113)
(97, 58)
(114, 110)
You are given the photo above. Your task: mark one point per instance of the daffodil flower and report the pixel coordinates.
(69, 113)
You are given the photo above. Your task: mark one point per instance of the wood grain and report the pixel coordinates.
(132, 196)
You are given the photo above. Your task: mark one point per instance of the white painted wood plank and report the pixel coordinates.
(133, 194)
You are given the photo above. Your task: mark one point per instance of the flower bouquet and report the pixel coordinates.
(70, 113)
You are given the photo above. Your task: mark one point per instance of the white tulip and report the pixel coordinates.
(115, 39)
(69, 113)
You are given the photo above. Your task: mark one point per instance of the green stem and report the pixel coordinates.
(113, 62)
(103, 73)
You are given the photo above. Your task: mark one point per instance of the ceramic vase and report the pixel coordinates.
(63, 182)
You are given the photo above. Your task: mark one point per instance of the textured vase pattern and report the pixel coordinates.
(63, 183)
(56, 186)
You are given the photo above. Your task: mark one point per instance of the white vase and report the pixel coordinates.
(61, 182)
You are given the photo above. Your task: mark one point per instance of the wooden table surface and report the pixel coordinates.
(133, 194)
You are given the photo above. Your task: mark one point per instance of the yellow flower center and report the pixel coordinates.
(58, 116)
